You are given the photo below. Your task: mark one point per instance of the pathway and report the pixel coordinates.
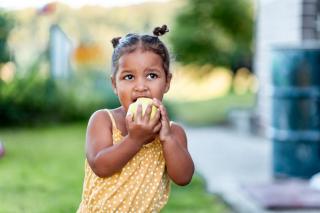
(228, 159)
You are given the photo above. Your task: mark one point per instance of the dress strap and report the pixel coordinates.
(112, 118)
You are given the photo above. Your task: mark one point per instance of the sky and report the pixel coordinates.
(19, 4)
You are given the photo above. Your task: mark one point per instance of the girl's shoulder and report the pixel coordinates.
(179, 134)
(178, 130)
(176, 125)
(101, 117)
(106, 117)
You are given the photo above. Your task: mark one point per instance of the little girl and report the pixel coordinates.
(131, 160)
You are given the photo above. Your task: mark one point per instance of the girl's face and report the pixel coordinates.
(140, 74)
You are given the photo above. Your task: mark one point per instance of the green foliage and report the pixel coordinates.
(34, 99)
(214, 31)
(192, 199)
(6, 24)
(43, 170)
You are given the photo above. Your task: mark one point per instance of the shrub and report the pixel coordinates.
(34, 99)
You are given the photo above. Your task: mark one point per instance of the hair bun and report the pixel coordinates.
(115, 41)
(159, 31)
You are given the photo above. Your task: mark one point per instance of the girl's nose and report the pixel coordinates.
(140, 85)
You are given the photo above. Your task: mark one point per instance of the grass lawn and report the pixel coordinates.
(210, 112)
(42, 171)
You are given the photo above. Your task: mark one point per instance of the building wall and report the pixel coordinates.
(311, 20)
(278, 22)
(60, 52)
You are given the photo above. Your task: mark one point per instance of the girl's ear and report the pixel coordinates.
(114, 87)
(169, 77)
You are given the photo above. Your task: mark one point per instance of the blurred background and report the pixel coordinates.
(54, 73)
(53, 52)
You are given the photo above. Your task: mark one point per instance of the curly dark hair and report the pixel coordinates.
(132, 42)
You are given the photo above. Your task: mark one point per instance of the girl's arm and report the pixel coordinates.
(179, 163)
(106, 158)
(103, 157)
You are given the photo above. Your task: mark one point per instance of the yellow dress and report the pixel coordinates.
(142, 185)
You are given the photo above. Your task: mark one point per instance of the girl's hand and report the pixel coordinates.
(142, 129)
(165, 133)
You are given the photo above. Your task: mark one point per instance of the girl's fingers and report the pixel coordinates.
(165, 123)
(164, 114)
(147, 113)
(156, 102)
(162, 109)
(129, 118)
(159, 105)
(138, 116)
(157, 128)
(156, 118)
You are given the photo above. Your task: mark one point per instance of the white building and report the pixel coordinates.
(60, 53)
(280, 22)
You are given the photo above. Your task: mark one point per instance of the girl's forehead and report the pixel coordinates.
(140, 58)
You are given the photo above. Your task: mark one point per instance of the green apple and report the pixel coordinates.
(144, 103)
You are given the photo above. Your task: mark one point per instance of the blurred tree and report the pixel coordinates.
(6, 24)
(218, 32)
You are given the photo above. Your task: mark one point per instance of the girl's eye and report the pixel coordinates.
(152, 76)
(128, 77)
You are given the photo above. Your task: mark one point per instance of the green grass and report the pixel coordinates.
(42, 171)
(193, 199)
(210, 112)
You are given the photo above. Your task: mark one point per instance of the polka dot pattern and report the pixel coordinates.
(141, 186)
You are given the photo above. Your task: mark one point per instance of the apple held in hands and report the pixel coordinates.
(144, 103)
